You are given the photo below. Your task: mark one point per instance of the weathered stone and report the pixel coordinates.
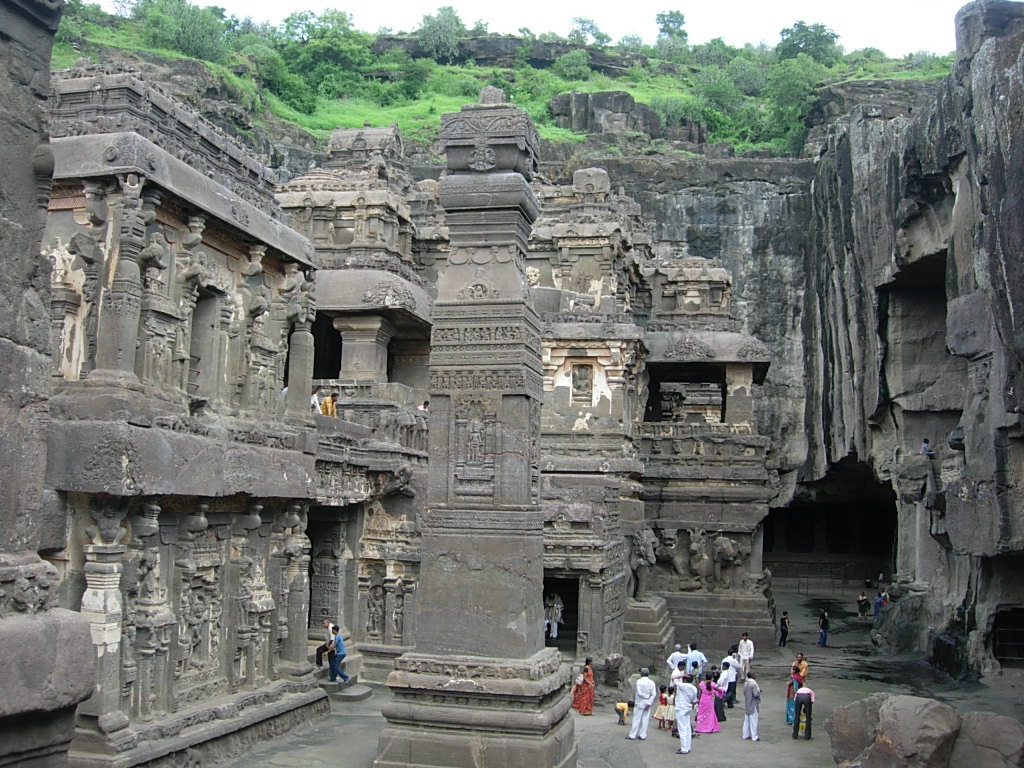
(989, 741)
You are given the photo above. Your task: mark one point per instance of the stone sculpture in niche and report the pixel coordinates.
(582, 385)
(642, 559)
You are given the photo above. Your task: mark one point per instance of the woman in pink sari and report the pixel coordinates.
(707, 720)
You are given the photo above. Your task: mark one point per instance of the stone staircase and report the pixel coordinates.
(716, 621)
(339, 692)
(647, 634)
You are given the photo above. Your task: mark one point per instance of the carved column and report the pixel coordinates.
(364, 348)
(122, 301)
(102, 606)
(479, 659)
(300, 369)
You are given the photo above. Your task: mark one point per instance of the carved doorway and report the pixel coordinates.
(568, 591)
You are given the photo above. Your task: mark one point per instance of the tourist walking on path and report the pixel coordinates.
(823, 626)
(746, 648)
(751, 707)
(804, 706)
(336, 654)
(646, 693)
(707, 720)
(583, 689)
(686, 698)
(863, 606)
(783, 629)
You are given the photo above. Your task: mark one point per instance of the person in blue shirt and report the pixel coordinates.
(336, 654)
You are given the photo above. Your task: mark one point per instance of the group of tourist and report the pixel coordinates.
(695, 701)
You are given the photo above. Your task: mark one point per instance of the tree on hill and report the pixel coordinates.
(584, 30)
(439, 34)
(670, 24)
(815, 40)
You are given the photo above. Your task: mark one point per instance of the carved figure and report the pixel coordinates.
(475, 443)
(701, 566)
(728, 556)
(375, 611)
(642, 559)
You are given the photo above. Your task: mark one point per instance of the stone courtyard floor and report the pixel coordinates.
(849, 669)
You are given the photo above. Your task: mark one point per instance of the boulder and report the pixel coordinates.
(852, 727)
(989, 741)
(922, 731)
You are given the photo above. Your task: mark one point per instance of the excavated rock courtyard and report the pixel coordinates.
(848, 670)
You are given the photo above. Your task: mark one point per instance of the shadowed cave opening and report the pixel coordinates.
(841, 527)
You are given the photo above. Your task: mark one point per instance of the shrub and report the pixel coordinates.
(181, 26)
(573, 65)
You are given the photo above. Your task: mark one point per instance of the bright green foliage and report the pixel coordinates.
(573, 65)
(274, 74)
(325, 51)
(631, 45)
(815, 40)
(181, 26)
(714, 53)
(670, 25)
(439, 34)
(791, 89)
(749, 77)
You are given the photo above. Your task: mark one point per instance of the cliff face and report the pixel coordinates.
(885, 274)
(912, 313)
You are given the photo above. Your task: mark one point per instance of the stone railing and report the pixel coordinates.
(677, 430)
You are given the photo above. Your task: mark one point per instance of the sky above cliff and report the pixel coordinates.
(897, 27)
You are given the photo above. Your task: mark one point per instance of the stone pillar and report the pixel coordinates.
(364, 347)
(739, 396)
(47, 657)
(300, 369)
(480, 689)
(118, 327)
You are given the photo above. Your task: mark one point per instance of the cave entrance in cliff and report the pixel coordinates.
(1008, 637)
(568, 589)
(841, 527)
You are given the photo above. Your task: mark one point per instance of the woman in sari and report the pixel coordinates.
(583, 689)
(707, 720)
(795, 681)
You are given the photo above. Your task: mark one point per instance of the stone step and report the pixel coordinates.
(345, 693)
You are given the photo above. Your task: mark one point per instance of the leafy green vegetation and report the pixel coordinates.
(316, 71)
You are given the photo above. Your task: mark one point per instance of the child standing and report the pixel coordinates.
(665, 713)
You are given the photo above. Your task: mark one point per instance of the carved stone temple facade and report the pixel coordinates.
(590, 435)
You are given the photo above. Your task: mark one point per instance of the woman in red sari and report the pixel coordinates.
(583, 689)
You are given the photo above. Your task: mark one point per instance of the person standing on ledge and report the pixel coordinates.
(646, 692)
(926, 449)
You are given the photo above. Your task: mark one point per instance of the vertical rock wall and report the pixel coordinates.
(915, 303)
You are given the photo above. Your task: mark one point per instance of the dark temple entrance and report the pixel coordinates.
(842, 527)
(569, 590)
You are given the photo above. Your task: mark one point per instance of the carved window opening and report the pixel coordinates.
(326, 348)
(687, 393)
(203, 358)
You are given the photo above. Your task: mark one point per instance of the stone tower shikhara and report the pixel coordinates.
(480, 689)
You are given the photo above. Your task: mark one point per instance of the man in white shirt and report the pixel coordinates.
(695, 656)
(727, 680)
(677, 656)
(686, 700)
(646, 693)
(746, 649)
